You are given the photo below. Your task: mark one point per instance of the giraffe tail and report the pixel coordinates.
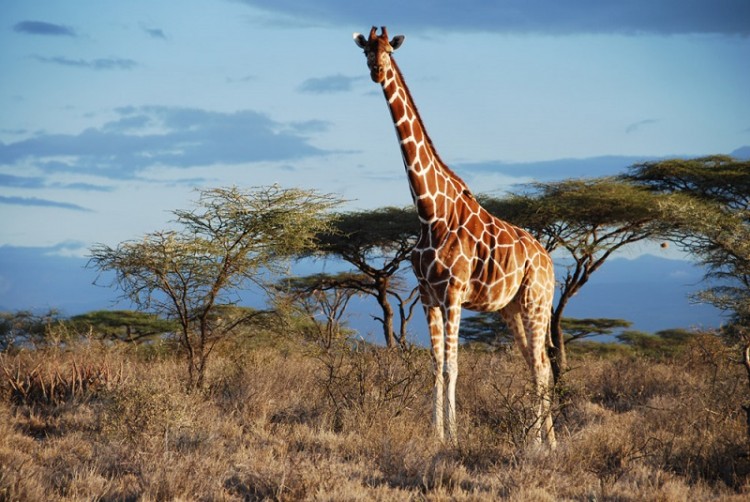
(550, 343)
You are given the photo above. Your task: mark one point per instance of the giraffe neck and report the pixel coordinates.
(434, 186)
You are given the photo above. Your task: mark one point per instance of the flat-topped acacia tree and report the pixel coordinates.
(377, 242)
(584, 222)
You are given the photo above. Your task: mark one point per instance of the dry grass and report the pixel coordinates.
(278, 424)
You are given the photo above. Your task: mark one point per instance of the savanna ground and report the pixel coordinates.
(288, 421)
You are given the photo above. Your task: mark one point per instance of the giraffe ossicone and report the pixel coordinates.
(465, 257)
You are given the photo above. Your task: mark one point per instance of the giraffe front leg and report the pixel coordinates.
(453, 320)
(435, 324)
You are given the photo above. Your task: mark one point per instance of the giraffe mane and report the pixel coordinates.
(463, 187)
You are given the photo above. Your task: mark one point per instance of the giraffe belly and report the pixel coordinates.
(495, 280)
(490, 297)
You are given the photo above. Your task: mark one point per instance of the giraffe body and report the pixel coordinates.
(465, 257)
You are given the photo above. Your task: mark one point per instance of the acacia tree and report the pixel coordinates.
(221, 246)
(713, 223)
(376, 243)
(24, 327)
(662, 344)
(577, 329)
(123, 325)
(588, 220)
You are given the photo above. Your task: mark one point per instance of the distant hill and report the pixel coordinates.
(652, 292)
(742, 153)
(37, 279)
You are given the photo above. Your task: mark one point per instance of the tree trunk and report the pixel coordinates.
(385, 305)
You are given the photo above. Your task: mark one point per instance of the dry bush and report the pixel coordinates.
(497, 400)
(702, 426)
(625, 383)
(265, 385)
(147, 408)
(367, 387)
(681, 417)
(20, 475)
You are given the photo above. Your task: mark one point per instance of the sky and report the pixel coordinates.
(113, 113)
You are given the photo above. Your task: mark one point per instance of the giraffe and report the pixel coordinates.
(464, 257)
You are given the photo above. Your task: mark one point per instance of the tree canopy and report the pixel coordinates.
(489, 328)
(588, 220)
(384, 234)
(26, 328)
(323, 299)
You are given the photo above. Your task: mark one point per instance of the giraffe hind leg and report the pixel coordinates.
(537, 327)
(533, 349)
(514, 319)
(511, 314)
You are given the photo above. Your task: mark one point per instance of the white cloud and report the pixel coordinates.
(150, 136)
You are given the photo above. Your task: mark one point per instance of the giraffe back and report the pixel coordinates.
(481, 262)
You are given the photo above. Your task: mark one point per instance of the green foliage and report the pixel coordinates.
(321, 299)
(26, 328)
(575, 329)
(489, 328)
(222, 244)
(588, 219)
(486, 328)
(665, 343)
(359, 236)
(125, 325)
(310, 284)
(716, 178)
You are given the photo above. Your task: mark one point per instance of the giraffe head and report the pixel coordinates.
(378, 50)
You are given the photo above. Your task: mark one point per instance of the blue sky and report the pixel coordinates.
(114, 112)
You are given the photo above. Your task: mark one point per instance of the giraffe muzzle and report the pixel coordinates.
(377, 73)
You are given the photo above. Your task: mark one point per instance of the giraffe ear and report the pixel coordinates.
(360, 40)
(397, 41)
